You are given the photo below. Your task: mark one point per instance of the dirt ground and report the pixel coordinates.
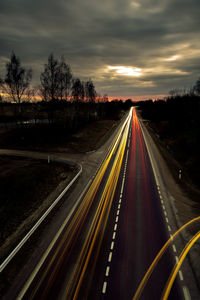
(26, 185)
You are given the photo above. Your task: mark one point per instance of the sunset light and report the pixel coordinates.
(127, 71)
(135, 4)
(172, 58)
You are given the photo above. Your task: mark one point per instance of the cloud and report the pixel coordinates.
(158, 37)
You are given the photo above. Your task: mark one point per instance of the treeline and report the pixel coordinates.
(60, 100)
(56, 83)
(176, 120)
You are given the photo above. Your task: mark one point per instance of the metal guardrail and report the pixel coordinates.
(37, 224)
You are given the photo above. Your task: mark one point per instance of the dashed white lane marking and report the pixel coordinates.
(180, 275)
(104, 287)
(174, 248)
(107, 270)
(186, 293)
(122, 185)
(110, 257)
(112, 245)
(185, 289)
(115, 228)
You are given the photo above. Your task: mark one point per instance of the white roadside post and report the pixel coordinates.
(179, 174)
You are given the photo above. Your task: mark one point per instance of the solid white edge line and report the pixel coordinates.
(37, 224)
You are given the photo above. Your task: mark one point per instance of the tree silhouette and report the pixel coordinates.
(17, 79)
(64, 79)
(90, 92)
(77, 90)
(197, 87)
(50, 79)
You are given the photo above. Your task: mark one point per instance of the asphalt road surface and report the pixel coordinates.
(106, 246)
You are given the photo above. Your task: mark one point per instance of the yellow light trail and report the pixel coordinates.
(177, 266)
(158, 257)
(102, 213)
(78, 219)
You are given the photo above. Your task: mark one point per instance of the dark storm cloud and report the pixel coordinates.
(94, 34)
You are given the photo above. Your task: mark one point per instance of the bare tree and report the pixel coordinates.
(77, 90)
(196, 87)
(64, 79)
(90, 92)
(50, 79)
(17, 79)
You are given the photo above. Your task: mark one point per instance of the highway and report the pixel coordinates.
(106, 246)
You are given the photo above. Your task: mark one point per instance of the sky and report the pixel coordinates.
(134, 49)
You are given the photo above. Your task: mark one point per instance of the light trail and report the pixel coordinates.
(176, 268)
(74, 227)
(102, 213)
(158, 257)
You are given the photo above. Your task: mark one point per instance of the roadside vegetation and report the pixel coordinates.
(176, 122)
